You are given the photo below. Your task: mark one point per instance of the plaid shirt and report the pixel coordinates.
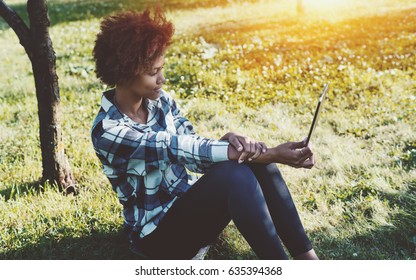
(145, 163)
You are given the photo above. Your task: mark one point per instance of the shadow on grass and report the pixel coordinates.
(222, 250)
(96, 246)
(34, 188)
(14, 191)
(396, 241)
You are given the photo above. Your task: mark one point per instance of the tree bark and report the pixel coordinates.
(38, 45)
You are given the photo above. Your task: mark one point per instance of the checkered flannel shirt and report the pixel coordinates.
(145, 163)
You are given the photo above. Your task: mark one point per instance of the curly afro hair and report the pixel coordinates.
(128, 43)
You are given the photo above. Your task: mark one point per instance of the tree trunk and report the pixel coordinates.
(55, 166)
(299, 7)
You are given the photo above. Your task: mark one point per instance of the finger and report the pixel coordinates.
(298, 145)
(304, 154)
(258, 150)
(252, 148)
(295, 165)
(247, 146)
(300, 157)
(249, 149)
(309, 163)
(242, 157)
(310, 145)
(236, 143)
(263, 147)
(313, 159)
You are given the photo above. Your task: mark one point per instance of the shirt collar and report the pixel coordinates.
(151, 104)
(107, 103)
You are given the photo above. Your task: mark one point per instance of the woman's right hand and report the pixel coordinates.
(295, 154)
(249, 148)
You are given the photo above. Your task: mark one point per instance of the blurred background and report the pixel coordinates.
(256, 67)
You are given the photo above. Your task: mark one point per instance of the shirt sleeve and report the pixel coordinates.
(130, 151)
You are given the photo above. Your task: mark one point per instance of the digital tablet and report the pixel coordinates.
(315, 117)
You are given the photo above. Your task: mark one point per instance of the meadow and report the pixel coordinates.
(256, 67)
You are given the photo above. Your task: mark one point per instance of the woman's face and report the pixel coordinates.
(149, 84)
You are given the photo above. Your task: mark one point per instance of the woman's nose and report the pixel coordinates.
(161, 79)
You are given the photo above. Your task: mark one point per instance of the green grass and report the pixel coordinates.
(231, 60)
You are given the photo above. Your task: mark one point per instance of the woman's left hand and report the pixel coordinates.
(250, 148)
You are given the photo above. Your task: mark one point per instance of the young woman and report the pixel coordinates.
(146, 148)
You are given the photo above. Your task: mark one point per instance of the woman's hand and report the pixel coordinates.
(295, 154)
(250, 148)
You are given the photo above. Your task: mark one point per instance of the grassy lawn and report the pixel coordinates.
(255, 67)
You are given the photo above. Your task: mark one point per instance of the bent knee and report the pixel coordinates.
(236, 174)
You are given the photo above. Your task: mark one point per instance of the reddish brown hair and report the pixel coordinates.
(128, 43)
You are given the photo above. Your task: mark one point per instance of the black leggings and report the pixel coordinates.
(254, 196)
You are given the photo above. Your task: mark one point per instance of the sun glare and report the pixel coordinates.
(330, 9)
(327, 3)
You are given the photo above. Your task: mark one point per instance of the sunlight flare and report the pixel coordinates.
(327, 3)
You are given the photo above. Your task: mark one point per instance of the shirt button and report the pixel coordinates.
(172, 181)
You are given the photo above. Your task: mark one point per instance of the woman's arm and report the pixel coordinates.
(130, 151)
(243, 148)
(295, 154)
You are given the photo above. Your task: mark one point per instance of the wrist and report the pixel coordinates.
(233, 154)
(226, 136)
(271, 155)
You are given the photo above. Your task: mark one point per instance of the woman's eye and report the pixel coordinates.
(157, 71)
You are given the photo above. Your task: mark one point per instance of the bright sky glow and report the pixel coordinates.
(327, 3)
